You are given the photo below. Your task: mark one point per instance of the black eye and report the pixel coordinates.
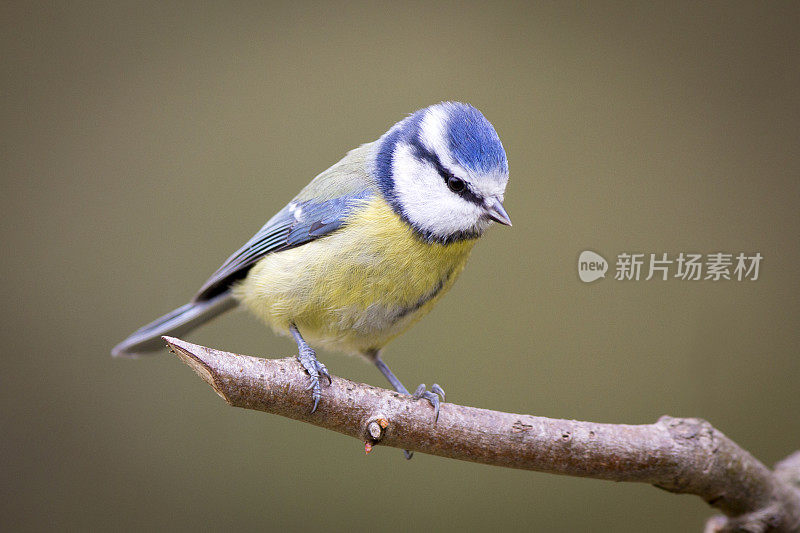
(456, 184)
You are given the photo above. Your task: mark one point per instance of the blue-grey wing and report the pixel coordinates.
(299, 222)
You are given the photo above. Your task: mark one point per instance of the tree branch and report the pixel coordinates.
(687, 456)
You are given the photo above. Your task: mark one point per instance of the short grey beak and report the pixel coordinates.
(497, 212)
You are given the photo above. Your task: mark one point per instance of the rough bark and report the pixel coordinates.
(681, 455)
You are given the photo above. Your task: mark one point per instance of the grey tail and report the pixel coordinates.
(180, 321)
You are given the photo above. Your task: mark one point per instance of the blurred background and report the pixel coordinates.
(144, 142)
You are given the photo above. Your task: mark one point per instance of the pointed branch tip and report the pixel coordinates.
(190, 354)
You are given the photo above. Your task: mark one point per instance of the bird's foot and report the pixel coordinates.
(432, 396)
(314, 368)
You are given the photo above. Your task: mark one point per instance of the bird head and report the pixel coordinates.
(444, 171)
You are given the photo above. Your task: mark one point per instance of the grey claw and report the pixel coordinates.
(432, 396)
(438, 390)
(314, 369)
(419, 392)
(434, 399)
(324, 372)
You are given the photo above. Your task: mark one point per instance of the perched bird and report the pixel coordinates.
(367, 248)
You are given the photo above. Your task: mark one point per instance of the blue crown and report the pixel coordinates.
(473, 142)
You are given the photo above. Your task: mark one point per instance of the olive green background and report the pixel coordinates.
(142, 143)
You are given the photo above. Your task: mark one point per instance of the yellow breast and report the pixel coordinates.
(358, 288)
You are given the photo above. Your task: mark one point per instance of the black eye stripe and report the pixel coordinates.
(423, 153)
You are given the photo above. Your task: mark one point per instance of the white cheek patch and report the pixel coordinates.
(425, 199)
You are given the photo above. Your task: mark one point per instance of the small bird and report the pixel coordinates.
(367, 248)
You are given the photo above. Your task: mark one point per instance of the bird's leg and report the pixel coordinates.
(315, 369)
(432, 396)
(389, 374)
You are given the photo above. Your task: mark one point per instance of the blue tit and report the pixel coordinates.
(367, 248)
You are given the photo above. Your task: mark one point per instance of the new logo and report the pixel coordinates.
(591, 266)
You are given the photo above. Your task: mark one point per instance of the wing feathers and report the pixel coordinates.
(296, 224)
